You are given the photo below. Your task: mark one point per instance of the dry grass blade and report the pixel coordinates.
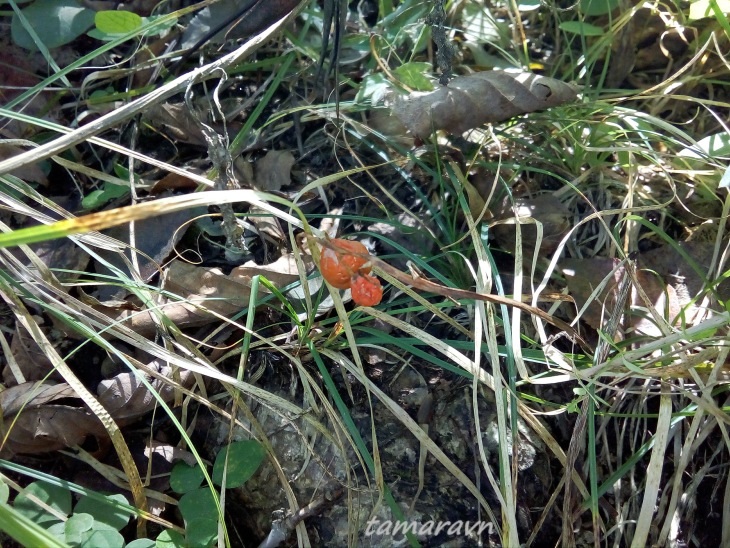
(125, 456)
(139, 105)
(654, 473)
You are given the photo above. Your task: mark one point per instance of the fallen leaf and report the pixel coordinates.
(29, 172)
(585, 275)
(267, 225)
(273, 171)
(32, 363)
(282, 272)
(126, 397)
(252, 17)
(172, 182)
(479, 98)
(405, 231)
(670, 264)
(177, 121)
(155, 239)
(32, 424)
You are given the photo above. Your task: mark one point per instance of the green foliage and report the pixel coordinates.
(169, 539)
(198, 504)
(46, 24)
(109, 191)
(184, 478)
(84, 530)
(98, 198)
(112, 24)
(714, 146)
(54, 22)
(145, 542)
(413, 75)
(200, 512)
(597, 7)
(24, 530)
(700, 9)
(54, 496)
(117, 22)
(94, 521)
(244, 458)
(105, 511)
(580, 28)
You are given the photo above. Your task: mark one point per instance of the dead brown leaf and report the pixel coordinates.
(33, 424)
(126, 397)
(281, 272)
(154, 238)
(29, 172)
(206, 287)
(177, 121)
(32, 363)
(585, 275)
(273, 171)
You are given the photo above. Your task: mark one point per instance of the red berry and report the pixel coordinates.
(338, 267)
(366, 290)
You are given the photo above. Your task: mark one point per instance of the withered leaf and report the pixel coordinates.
(32, 363)
(585, 275)
(207, 287)
(154, 238)
(32, 424)
(126, 397)
(273, 171)
(29, 172)
(479, 98)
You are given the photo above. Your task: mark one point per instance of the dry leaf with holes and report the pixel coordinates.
(479, 98)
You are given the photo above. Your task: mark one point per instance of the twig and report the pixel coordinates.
(282, 527)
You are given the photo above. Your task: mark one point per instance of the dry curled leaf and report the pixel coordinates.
(479, 98)
(127, 398)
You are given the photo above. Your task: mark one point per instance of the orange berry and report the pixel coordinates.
(338, 267)
(366, 290)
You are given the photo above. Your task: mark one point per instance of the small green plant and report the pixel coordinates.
(44, 512)
(93, 521)
(236, 463)
(47, 24)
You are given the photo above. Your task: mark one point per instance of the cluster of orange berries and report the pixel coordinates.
(343, 270)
